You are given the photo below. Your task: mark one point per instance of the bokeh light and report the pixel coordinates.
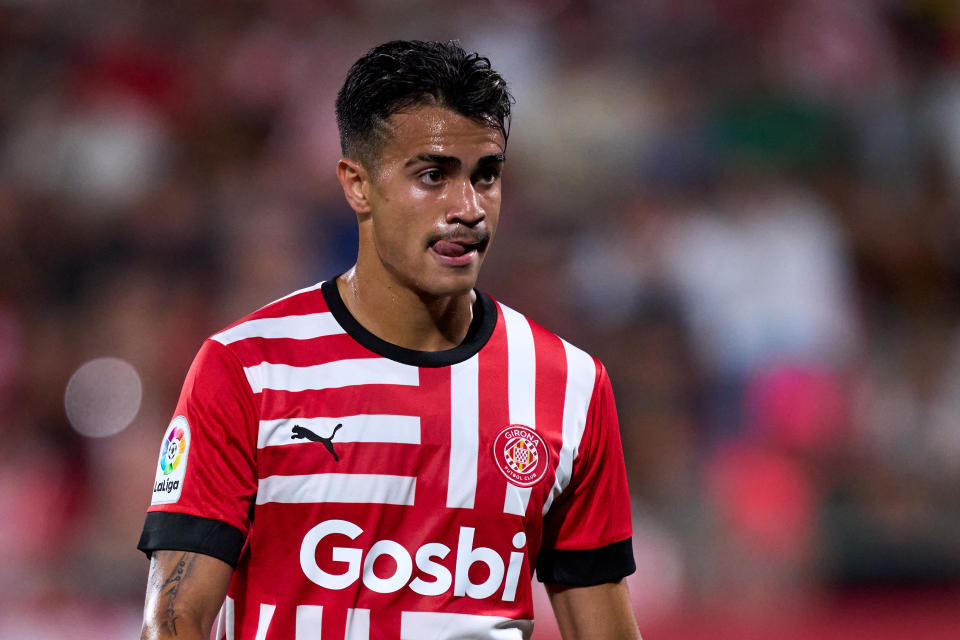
(103, 397)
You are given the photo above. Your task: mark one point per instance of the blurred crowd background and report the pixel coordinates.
(748, 209)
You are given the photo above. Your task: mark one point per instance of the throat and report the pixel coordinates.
(407, 320)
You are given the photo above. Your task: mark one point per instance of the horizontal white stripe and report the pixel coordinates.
(359, 428)
(354, 488)
(305, 327)
(331, 375)
(422, 625)
(312, 287)
(581, 375)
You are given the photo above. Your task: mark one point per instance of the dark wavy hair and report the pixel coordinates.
(403, 74)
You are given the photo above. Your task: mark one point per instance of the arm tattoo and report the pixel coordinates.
(170, 589)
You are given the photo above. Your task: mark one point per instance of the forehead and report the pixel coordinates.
(438, 130)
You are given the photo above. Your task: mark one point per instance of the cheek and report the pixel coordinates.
(397, 235)
(492, 209)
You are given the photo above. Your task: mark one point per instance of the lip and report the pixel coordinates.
(465, 259)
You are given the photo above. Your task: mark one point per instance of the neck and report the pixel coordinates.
(403, 317)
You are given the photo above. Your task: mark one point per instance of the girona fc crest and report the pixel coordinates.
(521, 455)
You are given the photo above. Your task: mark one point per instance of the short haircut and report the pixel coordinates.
(403, 74)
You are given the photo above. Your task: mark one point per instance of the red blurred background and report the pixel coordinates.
(747, 209)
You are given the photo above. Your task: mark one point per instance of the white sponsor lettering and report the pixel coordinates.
(399, 577)
(308, 555)
(468, 556)
(433, 578)
(440, 574)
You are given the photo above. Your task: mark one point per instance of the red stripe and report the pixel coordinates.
(333, 624)
(434, 449)
(389, 399)
(494, 416)
(301, 458)
(298, 305)
(299, 353)
(551, 385)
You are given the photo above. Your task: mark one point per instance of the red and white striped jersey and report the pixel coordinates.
(362, 490)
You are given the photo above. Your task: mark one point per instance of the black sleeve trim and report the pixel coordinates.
(184, 532)
(588, 567)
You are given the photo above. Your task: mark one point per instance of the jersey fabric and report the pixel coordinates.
(366, 491)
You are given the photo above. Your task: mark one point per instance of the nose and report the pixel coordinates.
(466, 206)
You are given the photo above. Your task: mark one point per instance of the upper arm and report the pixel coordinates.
(184, 594)
(202, 498)
(593, 510)
(599, 612)
(587, 529)
(587, 551)
(207, 462)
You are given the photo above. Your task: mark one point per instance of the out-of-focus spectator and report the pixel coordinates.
(747, 209)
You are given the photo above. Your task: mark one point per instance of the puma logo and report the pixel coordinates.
(304, 433)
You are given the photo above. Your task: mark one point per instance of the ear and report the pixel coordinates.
(355, 181)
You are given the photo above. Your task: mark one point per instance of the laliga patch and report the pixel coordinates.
(521, 455)
(172, 467)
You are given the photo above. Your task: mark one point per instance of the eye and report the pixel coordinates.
(487, 175)
(431, 177)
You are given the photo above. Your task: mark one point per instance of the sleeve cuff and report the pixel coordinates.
(183, 532)
(587, 567)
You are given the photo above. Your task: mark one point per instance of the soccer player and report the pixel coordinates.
(391, 453)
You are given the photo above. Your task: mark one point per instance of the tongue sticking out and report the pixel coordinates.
(447, 248)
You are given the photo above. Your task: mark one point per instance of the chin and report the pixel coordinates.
(447, 285)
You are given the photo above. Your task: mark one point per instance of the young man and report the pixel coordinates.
(391, 453)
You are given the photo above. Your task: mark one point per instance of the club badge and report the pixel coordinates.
(521, 455)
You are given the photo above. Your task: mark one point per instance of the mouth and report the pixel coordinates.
(459, 251)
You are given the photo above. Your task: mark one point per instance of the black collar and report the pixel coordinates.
(481, 328)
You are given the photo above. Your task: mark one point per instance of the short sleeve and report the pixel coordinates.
(586, 535)
(206, 476)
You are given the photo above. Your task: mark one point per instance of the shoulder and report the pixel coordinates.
(550, 350)
(289, 331)
(286, 317)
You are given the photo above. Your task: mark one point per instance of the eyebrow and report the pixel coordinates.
(453, 162)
